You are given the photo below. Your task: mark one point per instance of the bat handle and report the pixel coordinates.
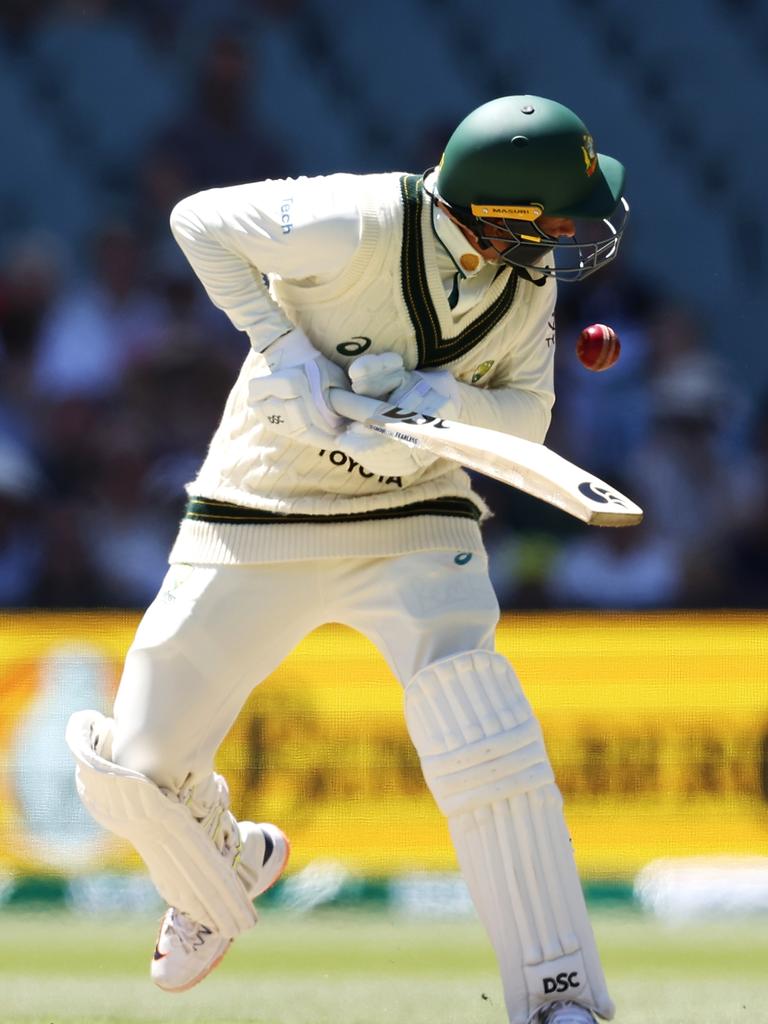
(353, 407)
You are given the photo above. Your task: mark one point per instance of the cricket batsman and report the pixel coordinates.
(436, 292)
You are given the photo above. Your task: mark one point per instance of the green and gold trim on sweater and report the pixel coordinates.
(434, 349)
(209, 510)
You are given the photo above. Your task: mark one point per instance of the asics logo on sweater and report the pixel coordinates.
(355, 346)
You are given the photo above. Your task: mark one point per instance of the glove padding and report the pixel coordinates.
(377, 374)
(289, 394)
(429, 392)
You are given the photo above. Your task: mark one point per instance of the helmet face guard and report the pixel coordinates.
(523, 244)
(520, 158)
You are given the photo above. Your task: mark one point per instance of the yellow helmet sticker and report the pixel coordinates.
(529, 212)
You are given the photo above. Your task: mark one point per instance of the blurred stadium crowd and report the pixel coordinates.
(115, 368)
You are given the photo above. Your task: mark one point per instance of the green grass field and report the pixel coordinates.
(355, 967)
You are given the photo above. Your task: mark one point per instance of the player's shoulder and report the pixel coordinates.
(344, 189)
(355, 181)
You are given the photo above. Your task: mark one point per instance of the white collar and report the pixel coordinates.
(454, 241)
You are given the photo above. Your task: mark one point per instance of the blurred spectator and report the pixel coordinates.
(193, 325)
(520, 564)
(73, 430)
(281, 8)
(21, 556)
(101, 326)
(172, 403)
(628, 568)
(159, 20)
(168, 24)
(128, 536)
(162, 180)
(19, 20)
(686, 471)
(69, 578)
(675, 333)
(745, 561)
(218, 141)
(679, 337)
(31, 278)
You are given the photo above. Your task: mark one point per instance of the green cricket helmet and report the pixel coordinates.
(517, 158)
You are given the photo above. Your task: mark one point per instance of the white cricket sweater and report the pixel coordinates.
(356, 262)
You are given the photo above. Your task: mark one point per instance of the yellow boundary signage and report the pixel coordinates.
(657, 726)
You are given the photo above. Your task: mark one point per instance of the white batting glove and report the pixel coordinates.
(429, 392)
(377, 374)
(383, 375)
(289, 394)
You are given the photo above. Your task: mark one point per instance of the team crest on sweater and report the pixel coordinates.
(480, 371)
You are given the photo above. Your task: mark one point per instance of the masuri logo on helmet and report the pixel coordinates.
(511, 212)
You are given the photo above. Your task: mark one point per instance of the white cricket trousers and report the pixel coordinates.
(213, 633)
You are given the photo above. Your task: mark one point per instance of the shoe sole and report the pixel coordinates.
(282, 843)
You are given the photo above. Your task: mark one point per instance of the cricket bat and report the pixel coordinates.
(528, 466)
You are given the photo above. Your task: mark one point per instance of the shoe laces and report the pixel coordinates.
(215, 818)
(218, 824)
(191, 934)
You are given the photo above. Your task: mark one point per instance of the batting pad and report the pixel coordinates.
(185, 864)
(484, 760)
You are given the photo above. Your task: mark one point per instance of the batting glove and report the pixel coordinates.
(289, 394)
(377, 375)
(428, 392)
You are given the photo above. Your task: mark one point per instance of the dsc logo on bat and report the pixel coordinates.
(416, 419)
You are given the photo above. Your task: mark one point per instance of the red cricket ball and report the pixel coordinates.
(598, 347)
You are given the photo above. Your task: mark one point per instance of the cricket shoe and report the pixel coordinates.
(187, 951)
(565, 1013)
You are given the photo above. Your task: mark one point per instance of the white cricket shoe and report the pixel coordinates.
(566, 1013)
(187, 951)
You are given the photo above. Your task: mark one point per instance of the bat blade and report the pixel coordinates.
(525, 465)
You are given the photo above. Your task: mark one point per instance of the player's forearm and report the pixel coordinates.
(520, 394)
(512, 410)
(233, 284)
(234, 236)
